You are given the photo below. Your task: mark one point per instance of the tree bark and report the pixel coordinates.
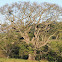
(31, 57)
(8, 56)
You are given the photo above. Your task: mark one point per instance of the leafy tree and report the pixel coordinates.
(35, 23)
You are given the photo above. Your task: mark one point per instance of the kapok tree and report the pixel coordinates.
(38, 18)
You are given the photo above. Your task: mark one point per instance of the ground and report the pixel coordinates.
(19, 60)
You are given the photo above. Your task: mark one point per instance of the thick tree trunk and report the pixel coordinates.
(31, 57)
(8, 56)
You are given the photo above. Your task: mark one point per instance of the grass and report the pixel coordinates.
(19, 60)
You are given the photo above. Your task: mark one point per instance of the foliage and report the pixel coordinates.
(34, 33)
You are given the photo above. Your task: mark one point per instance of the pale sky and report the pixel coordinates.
(3, 2)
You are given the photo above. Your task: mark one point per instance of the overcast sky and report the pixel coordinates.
(3, 2)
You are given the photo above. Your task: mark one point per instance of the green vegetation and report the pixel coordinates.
(19, 60)
(28, 39)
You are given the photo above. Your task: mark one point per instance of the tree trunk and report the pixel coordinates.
(8, 56)
(31, 57)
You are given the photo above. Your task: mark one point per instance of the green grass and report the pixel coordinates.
(19, 60)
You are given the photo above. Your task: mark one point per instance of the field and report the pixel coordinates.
(19, 60)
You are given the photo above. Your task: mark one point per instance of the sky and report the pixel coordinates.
(3, 2)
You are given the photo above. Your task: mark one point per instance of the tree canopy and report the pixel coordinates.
(32, 31)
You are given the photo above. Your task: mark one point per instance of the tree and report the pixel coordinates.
(40, 20)
(7, 42)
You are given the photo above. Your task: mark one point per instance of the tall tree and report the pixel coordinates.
(36, 19)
